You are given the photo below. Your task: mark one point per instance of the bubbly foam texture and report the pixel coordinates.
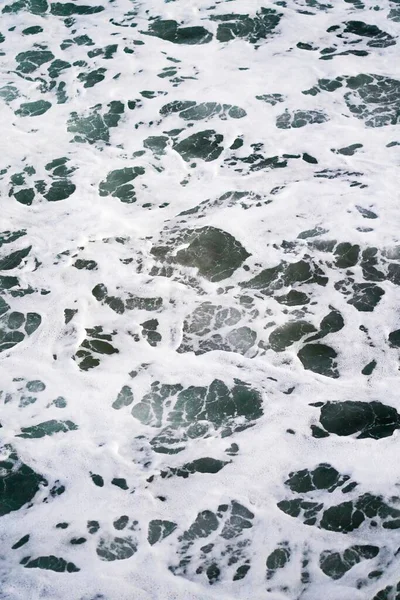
(199, 330)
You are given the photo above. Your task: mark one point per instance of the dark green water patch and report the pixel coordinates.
(68, 9)
(91, 78)
(320, 359)
(394, 15)
(21, 542)
(300, 118)
(107, 52)
(112, 548)
(33, 109)
(348, 150)
(118, 184)
(13, 260)
(344, 517)
(366, 419)
(196, 412)
(215, 253)
(87, 265)
(6, 237)
(285, 335)
(346, 255)
(15, 326)
(59, 167)
(332, 323)
(8, 93)
(369, 368)
(150, 333)
(374, 98)
(100, 292)
(323, 477)
(278, 559)
(95, 125)
(35, 7)
(34, 30)
(171, 31)
(377, 37)
(205, 145)
(124, 398)
(394, 338)
(159, 530)
(367, 214)
(366, 296)
(239, 340)
(271, 99)
(201, 327)
(31, 60)
(370, 257)
(336, 564)
(94, 345)
(79, 40)
(390, 592)
(191, 111)
(57, 67)
(251, 29)
(224, 536)
(256, 160)
(25, 196)
(50, 563)
(18, 483)
(60, 190)
(285, 275)
(200, 465)
(156, 143)
(47, 428)
(199, 331)
(293, 298)
(57, 187)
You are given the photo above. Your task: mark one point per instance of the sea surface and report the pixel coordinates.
(200, 306)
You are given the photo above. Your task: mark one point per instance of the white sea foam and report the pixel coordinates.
(352, 197)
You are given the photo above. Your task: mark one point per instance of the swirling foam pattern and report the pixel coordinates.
(199, 310)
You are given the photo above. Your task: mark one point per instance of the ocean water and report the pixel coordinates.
(199, 310)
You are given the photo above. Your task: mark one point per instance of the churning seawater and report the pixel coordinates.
(199, 310)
